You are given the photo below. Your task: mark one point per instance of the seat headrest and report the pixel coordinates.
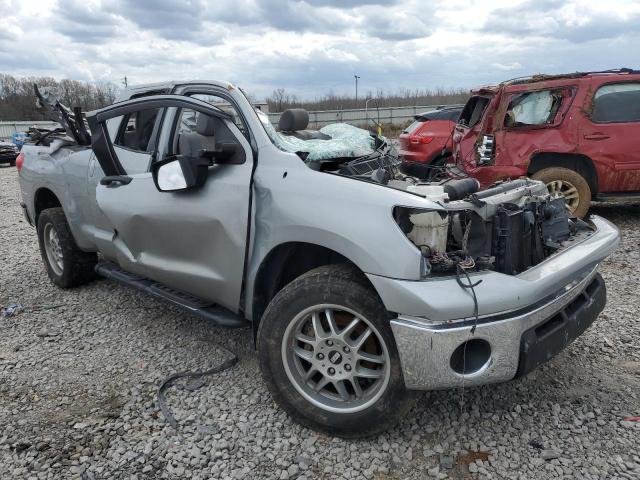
(205, 125)
(146, 116)
(293, 119)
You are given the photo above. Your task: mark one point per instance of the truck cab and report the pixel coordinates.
(578, 133)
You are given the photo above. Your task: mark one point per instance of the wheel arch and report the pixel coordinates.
(577, 162)
(44, 198)
(286, 262)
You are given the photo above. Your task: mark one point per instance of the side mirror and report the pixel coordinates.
(177, 173)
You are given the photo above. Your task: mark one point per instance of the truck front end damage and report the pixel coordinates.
(507, 229)
(509, 279)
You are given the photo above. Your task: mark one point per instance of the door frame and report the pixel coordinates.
(101, 141)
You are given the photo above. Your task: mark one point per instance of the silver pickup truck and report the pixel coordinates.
(360, 284)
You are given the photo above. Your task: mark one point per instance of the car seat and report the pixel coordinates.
(192, 143)
(294, 122)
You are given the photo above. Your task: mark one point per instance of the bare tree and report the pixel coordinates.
(17, 100)
(280, 100)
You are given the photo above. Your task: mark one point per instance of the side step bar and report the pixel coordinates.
(217, 314)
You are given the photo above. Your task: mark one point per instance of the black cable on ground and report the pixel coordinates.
(168, 382)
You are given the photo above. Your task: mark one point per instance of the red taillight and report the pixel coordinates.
(423, 140)
(19, 161)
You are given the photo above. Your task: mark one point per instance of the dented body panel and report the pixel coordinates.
(613, 148)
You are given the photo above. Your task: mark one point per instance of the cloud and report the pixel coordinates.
(300, 16)
(395, 25)
(311, 47)
(507, 66)
(562, 20)
(172, 20)
(349, 3)
(84, 22)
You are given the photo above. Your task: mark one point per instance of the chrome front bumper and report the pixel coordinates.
(556, 298)
(511, 345)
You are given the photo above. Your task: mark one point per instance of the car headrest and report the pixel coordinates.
(293, 119)
(205, 125)
(146, 117)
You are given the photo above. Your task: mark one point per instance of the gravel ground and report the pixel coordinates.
(79, 372)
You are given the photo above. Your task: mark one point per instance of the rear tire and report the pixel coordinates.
(349, 405)
(67, 265)
(570, 184)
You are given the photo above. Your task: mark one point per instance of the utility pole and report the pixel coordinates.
(124, 82)
(356, 77)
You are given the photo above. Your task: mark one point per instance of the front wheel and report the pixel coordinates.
(328, 355)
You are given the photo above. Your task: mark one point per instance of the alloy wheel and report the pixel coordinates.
(567, 190)
(336, 358)
(53, 249)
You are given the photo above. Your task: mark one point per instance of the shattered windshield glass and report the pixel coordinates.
(346, 141)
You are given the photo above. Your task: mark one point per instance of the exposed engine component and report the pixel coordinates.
(517, 239)
(430, 230)
(508, 228)
(462, 188)
(555, 227)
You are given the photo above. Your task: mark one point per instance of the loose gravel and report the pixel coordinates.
(80, 369)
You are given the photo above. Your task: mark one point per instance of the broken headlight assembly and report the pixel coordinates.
(428, 230)
(505, 237)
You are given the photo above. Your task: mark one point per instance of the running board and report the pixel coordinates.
(217, 314)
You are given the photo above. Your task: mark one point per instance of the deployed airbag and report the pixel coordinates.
(346, 141)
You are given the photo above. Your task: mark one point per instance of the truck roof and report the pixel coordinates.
(537, 78)
(169, 85)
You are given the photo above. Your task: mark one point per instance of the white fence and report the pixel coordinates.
(7, 129)
(361, 116)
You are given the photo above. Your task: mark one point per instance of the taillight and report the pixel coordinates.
(423, 140)
(19, 161)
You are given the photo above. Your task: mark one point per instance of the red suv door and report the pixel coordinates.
(610, 136)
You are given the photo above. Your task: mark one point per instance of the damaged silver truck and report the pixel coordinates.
(359, 283)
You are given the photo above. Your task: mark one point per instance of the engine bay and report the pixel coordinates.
(508, 228)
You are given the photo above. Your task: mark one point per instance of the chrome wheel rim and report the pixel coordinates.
(53, 249)
(567, 190)
(335, 358)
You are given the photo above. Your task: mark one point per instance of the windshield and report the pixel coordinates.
(268, 127)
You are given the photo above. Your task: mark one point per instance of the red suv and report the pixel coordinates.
(427, 141)
(579, 133)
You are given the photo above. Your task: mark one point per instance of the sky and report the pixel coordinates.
(314, 47)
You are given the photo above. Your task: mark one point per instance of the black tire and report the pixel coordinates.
(563, 180)
(76, 266)
(344, 286)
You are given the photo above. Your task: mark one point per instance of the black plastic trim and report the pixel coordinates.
(547, 339)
